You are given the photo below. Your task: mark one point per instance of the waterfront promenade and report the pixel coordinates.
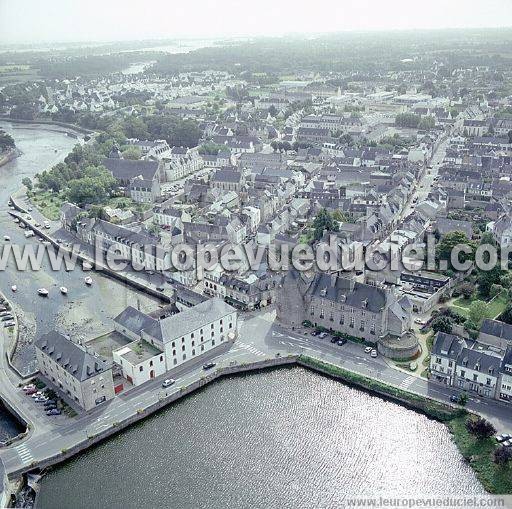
(261, 343)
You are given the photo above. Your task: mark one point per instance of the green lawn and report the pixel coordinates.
(48, 203)
(479, 453)
(496, 306)
(124, 202)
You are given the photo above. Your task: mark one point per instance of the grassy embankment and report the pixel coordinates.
(479, 452)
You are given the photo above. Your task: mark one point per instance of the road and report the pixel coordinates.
(426, 180)
(259, 338)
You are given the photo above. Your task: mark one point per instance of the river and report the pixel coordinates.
(283, 439)
(85, 312)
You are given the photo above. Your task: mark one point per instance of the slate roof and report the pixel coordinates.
(448, 345)
(126, 169)
(193, 318)
(357, 295)
(496, 328)
(136, 321)
(70, 356)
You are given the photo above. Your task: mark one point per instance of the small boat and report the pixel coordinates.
(63, 290)
(43, 292)
(14, 288)
(88, 281)
(7, 238)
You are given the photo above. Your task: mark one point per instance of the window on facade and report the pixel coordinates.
(213, 342)
(183, 348)
(141, 368)
(184, 356)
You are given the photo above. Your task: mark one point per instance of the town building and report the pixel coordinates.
(84, 378)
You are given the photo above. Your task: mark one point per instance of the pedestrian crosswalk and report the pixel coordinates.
(240, 345)
(24, 453)
(407, 382)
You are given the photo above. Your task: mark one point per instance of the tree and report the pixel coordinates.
(502, 455)
(27, 183)
(132, 152)
(407, 120)
(442, 324)
(449, 242)
(480, 427)
(467, 289)
(6, 141)
(478, 310)
(463, 399)
(487, 278)
(427, 123)
(495, 290)
(324, 221)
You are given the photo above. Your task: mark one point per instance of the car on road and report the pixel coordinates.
(160, 288)
(168, 382)
(503, 438)
(373, 353)
(209, 365)
(53, 411)
(419, 321)
(455, 398)
(368, 349)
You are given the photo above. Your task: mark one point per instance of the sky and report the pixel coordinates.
(44, 21)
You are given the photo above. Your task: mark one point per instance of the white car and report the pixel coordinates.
(373, 353)
(368, 349)
(419, 322)
(168, 382)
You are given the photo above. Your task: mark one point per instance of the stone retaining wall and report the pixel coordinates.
(65, 454)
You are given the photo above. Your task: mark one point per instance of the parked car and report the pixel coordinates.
(333, 340)
(503, 438)
(419, 322)
(209, 365)
(314, 333)
(507, 443)
(373, 353)
(7, 318)
(37, 394)
(322, 335)
(53, 411)
(9, 324)
(160, 288)
(50, 402)
(368, 349)
(29, 392)
(341, 342)
(29, 386)
(41, 399)
(168, 382)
